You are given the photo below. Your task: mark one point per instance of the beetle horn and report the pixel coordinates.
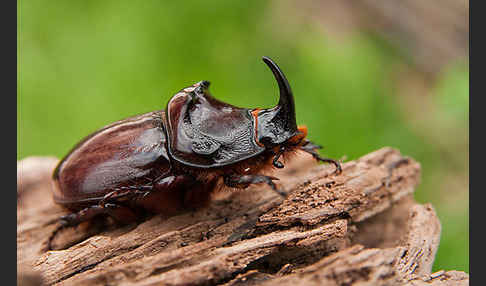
(286, 102)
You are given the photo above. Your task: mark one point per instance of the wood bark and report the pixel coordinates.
(361, 227)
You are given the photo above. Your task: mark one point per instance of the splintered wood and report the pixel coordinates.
(361, 227)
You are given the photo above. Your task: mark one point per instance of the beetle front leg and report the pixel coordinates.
(243, 181)
(276, 163)
(310, 148)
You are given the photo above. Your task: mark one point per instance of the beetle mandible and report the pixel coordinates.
(170, 160)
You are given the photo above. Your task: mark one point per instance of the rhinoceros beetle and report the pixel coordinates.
(167, 161)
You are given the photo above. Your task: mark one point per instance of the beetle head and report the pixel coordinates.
(205, 132)
(278, 124)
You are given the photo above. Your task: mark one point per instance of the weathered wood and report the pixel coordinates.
(360, 227)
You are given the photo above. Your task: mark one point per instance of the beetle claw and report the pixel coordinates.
(62, 224)
(278, 164)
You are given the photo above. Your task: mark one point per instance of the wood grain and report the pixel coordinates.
(361, 227)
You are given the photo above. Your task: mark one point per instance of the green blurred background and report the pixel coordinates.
(358, 86)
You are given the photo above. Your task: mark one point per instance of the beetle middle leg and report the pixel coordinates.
(310, 148)
(126, 193)
(120, 213)
(243, 181)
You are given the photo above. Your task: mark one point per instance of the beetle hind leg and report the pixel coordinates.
(120, 213)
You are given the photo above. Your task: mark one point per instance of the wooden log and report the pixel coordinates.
(359, 227)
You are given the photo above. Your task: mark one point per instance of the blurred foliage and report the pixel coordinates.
(84, 64)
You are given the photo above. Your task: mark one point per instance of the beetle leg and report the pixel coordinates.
(243, 181)
(120, 213)
(126, 192)
(276, 162)
(310, 147)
